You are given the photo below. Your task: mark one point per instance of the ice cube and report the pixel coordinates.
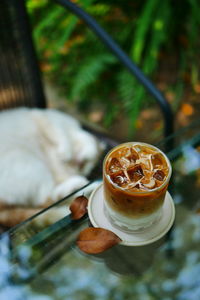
(135, 173)
(125, 163)
(133, 156)
(157, 160)
(120, 178)
(159, 175)
(137, 186)
(147, 151)
(137, 148)
(114, 165)
(124, 152)
(145, 162)
(149, 183)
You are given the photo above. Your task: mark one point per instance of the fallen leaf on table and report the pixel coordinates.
(96, 240)
(78, 207)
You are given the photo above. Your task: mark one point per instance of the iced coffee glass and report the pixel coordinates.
(135, 181)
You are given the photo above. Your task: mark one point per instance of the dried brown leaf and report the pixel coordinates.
(78, 207)
(96, 240)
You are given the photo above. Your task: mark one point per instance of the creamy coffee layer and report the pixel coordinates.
(133, 223)
(137, 167)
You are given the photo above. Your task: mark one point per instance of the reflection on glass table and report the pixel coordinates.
(39, 258)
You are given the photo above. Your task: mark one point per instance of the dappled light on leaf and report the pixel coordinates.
(96, 240)
(78, 207)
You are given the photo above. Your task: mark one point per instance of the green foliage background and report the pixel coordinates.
(88, 73)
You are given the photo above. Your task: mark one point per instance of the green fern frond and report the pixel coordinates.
(89, 72)
(126, 88)
(66, 32)
(112, 112)
(132, 95)
(136, 107)
(50, 18)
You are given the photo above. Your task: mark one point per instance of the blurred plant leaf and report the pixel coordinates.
(142, 28)
(89, 72)
(47, 21)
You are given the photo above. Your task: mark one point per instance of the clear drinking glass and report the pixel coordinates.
(135, 180)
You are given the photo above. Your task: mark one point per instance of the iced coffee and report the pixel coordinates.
(136, 177)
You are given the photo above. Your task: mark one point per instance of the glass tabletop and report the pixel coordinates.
(39, 258)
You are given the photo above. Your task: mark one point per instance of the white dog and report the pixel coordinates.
(44, 155)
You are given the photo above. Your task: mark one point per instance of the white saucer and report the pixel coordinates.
(149, 235)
